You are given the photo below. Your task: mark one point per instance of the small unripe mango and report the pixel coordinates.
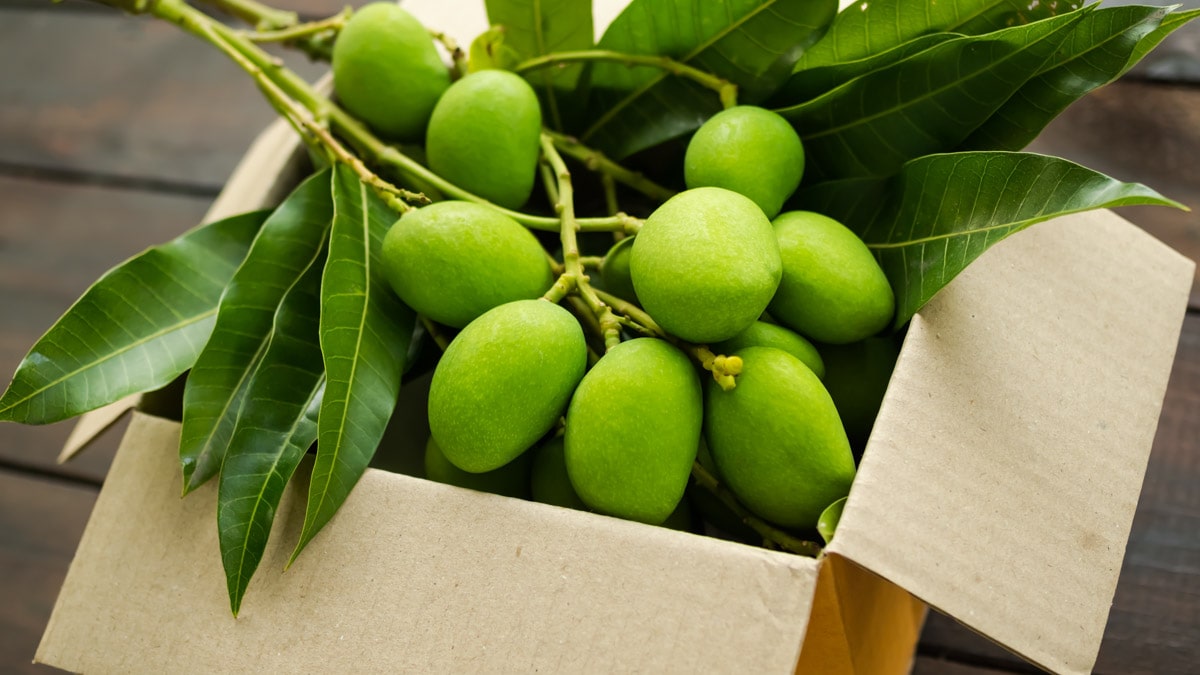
(832, 289)
(503, 382)
(777, 440)
(705, 264)
(485, 134)
(548, 481)
(857, 377)
(387, 71)
(750, 150)
(510, 480)
(763, 334)
(615, 270)
(453, 261)
(632, 431)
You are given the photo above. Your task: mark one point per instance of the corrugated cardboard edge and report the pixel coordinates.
(1039, 375)
(412, 576)
(264, 176)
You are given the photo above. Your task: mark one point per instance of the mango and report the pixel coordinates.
(510, 480)
(633, 427)
(777, 440)
(705, 264)
(387, 71)
(503, 383)
(614, 272)
(832, 289)
(548, 480)
(453, 261)
(857, 377)
(750, 150)
(763, 334)
(485, 135)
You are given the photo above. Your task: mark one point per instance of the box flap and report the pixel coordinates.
(412, 576)
(1001, 479)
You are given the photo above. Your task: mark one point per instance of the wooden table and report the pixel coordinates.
(116, 133)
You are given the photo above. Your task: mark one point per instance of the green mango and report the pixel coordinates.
(832, 290)
(750, 150)
(387, 71)
(615, 271)
(777, 440)
(857, 376)
(503, 383)
(485, 135)
(705, 264)
(549, 483)
(510, 480)
(453, 261)
(633, 427)
(763, 334)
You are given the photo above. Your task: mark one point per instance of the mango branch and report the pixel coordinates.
(595, 160)
(725, 89)
(771, 534)
(574, 276)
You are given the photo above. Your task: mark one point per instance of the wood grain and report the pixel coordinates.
(40, 526)
(55, 240)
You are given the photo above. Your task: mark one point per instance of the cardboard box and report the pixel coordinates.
(999, 487)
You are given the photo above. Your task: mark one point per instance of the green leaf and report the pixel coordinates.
(1149, 42)
(488, 52)
(137, 328)
(752, 43)
(289, 241)
(941, 212)
(273, 431)
(539, 27)
(808, 84)
(873, 26)
(1094, 55)
(365, 332)
(924, 104)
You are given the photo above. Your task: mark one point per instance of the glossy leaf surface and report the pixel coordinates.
(291, 238)
(137, 328)
(941, 212)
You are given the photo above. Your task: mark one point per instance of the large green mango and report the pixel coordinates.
(453, 261)
(485, 135)
(632, 431)
(387, 71)
(832, 290)
(705, 264)
(750, 150)
(777, 439)
(504, 381)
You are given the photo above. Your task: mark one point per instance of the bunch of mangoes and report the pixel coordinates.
(516, 408)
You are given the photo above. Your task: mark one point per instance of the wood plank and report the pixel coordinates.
(131, 97)
(40, 526)
(1154, 626)
(1144, 132)
(55, 240)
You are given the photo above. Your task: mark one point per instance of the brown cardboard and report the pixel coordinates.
(1001, 479)
(412, 576)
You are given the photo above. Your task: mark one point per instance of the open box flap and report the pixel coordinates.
(412, 575)
(264, 176)
(1000, 482)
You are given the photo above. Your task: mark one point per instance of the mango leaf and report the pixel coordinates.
(137, 328)
(941, 212)
(365, 333)
(924, 104)
(752, 43)
(539, 27)
(1094, 55)
(873, 26)
(488, 52)
(805, 85)
(288, 242)
(272, 432)
(1149, 42)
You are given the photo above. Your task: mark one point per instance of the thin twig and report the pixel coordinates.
(771, 534)
(596, 161)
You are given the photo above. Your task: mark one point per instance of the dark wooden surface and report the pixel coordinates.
(115, 134)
